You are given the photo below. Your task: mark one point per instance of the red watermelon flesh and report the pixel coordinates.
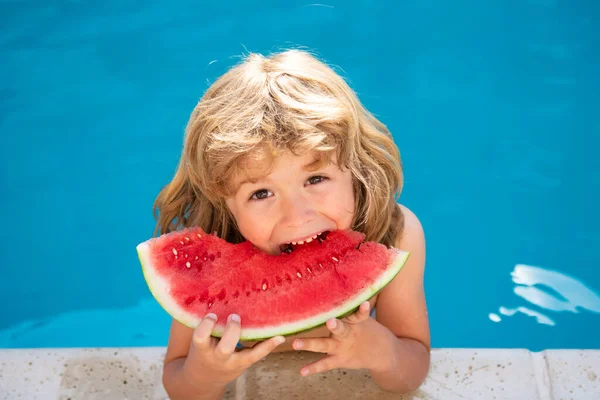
(191, 273)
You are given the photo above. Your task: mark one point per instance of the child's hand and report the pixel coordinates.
(356, 341)
(213, 361)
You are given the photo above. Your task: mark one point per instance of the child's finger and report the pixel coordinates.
(230, 338)
(338, 327)
(361, 314)
(317, 345)
(322, 365)
(261, 350)
(202, 338)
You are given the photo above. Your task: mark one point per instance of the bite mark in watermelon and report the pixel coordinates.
(191, 273)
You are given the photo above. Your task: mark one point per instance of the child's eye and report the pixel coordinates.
(260, 194)
(316, 179)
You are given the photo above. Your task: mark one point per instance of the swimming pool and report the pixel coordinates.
(492, 107)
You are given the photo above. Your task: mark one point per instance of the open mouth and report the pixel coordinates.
(290, 246)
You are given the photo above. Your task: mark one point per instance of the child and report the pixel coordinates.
(280, 149)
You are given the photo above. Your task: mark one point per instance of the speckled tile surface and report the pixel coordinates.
(481, 374)
(574, 375)
(135, 373)
(81, 373)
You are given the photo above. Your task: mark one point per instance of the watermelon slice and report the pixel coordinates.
(191, 273)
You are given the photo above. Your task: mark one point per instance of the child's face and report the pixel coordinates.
(291, 203)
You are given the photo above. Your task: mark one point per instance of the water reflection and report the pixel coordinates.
(541, 318)
(572, 290)
(543, 299)
(549, 290)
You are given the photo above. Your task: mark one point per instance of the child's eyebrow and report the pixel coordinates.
(310, 166)
(245, 181)
(250, 181)
(313, 165)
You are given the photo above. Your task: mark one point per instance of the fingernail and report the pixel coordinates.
(234, 317)
(304, 372)
(280, 340)
(367, 306)
(211, 316)
(333, 323)
(298, 344)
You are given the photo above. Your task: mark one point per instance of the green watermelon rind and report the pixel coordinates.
(158, 286)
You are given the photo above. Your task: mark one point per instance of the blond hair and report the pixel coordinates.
(262, 107)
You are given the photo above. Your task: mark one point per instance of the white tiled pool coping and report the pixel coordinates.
(135, 373)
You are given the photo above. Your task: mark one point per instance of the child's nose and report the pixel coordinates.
(296, 211)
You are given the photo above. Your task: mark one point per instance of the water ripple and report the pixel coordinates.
(566, 294)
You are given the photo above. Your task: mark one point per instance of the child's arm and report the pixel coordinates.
(395, 347)
(198, 366)
(176, 380)
(401, 307)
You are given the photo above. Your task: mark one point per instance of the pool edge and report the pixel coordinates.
(135, 372)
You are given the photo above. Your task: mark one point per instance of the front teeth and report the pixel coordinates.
(305, 241)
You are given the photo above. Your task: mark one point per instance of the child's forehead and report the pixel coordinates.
(253, 167)
(261, 161)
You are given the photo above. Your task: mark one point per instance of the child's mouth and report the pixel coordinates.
(289, 247)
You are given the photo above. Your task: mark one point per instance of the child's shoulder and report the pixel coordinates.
(411, 236)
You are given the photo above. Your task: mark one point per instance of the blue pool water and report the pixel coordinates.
(494, 106)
